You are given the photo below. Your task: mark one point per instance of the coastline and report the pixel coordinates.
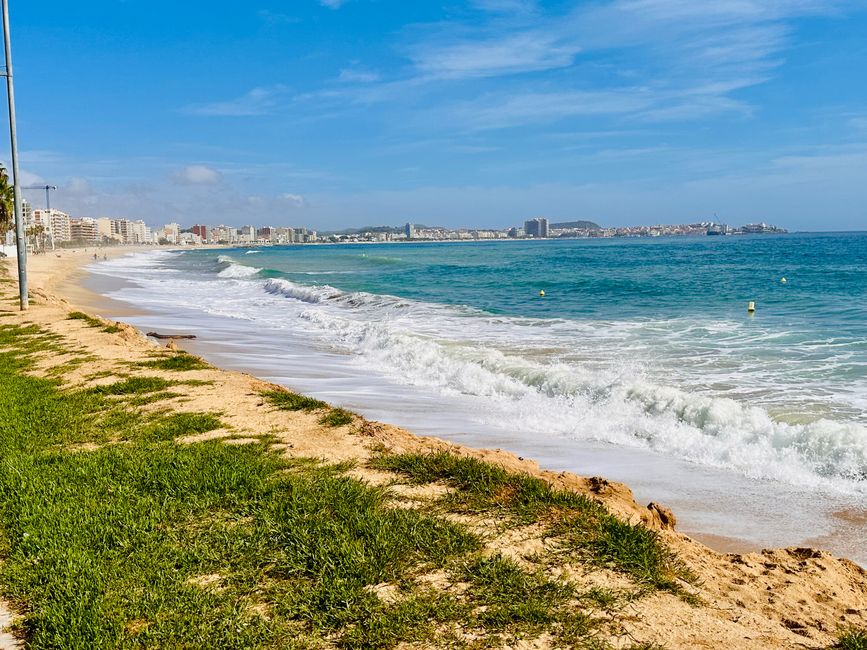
(727, 579)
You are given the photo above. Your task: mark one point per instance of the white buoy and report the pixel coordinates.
(783, 280)
(751, 307)
(542, 293)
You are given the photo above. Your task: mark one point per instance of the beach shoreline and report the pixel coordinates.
(56, 286)
(68, 278)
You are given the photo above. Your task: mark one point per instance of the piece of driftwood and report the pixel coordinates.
(171, 336)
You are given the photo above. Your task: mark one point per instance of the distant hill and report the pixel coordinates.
(391, 229)
(358, 231)
(584, 225)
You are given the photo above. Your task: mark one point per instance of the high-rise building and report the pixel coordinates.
(200, 230)
(84, 230)
(55, 223)
(409, 230)
(536, 227)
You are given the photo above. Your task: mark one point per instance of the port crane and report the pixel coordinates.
(47, 188)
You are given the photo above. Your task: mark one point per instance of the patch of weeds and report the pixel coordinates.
(512, 596)
(337, 418)
(606, 599)
(180, 362)
(411, 619)
(288, 401)
(102, 374)
(484, 487)
(134, 386)
(181, 424)
(68, 366)
(853, 639)
(579, 630)
(93, 322)
(151, 398)
(631, 549)
(585, 526)
(28, 340)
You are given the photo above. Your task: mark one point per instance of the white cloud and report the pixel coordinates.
(332, 4)
(521, 52)
(295, 200)
(354, 75)
(258, 101)
(197, 175)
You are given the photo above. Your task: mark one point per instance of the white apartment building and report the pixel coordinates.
(55, 222)
(172, 233)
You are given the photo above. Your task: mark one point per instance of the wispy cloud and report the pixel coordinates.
(332, 4)
(520, 52)
(258, 101)
(356, 75)
(197, 175)
(295, 200)
(506, 6)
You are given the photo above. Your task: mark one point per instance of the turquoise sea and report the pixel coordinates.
(641, 349)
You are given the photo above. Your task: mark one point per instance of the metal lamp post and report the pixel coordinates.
(21, 243)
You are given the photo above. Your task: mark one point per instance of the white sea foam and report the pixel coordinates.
(238, 271)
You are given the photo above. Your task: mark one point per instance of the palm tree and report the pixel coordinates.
(7, 202)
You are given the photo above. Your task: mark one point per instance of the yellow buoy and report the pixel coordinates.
(783, 280)
(542, 294)
(751, 307)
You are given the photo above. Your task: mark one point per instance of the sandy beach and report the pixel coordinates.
(780, 598)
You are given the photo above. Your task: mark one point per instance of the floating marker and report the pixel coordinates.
(751, 307)
(783, 280)
(542, 293)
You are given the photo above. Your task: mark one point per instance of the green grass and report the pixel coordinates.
(585, 526)
(107, 548)
(93, 322)
(288, 401)
(179, 362)
(181, 424)
(852, 640)
(337, 418)
(134, 386)
(513, 596)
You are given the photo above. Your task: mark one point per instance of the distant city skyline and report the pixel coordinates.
(483, 113)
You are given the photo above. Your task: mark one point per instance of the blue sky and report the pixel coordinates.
(335, 113)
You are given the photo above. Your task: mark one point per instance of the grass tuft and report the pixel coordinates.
(853, 639)
(512, 596)
(93, 322)
(337, 418)
(134, 386)
(180, 362)
(181, 424)
(288, 401)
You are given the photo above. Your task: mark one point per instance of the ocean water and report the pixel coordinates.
(641, 352)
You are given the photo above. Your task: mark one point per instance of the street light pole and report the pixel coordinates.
(20, 241)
